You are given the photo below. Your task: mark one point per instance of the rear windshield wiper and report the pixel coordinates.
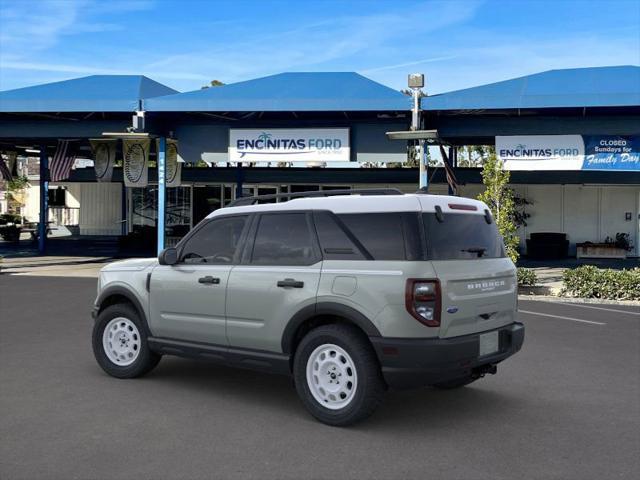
(477, 250)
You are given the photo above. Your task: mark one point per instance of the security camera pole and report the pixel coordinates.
(416, 83)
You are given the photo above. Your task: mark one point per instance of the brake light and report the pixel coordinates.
(463, 206)
(422, 299)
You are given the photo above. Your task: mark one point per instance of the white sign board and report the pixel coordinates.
(289, 145)
(541, 152)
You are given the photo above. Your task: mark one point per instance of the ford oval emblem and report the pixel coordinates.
(452, 309)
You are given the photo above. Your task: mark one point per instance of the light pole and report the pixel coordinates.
(416, 83)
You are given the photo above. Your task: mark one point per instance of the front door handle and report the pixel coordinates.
(209, 280)
(290, 282)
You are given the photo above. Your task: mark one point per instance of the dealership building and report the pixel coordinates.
(571, 139)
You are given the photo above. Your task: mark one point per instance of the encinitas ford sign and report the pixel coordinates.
(289, 145)
(541, 152)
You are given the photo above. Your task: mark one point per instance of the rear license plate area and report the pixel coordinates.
(489, 343)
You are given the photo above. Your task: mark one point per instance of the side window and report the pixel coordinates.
(216, 242)
(381, 234)
(284, 239)
(334, 241)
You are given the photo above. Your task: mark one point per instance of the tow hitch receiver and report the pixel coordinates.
(483, 370)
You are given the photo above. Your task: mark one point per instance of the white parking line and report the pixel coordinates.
(561, 317)
(599, 308)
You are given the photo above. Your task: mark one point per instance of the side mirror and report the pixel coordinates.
(168, 256)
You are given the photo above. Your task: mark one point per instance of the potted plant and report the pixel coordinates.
(617, 247)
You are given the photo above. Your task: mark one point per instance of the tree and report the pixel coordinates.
(500, 199)
(213, 83)
(474, 155)
(15, 195)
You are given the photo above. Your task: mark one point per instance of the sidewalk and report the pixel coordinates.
(55, 266)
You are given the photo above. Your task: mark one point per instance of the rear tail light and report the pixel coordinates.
(422, 299)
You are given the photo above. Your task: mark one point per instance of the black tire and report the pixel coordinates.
(457, 383)
(146, 359)
(370, 385)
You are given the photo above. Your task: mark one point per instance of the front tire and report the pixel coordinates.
(120, 342)
(337, 375)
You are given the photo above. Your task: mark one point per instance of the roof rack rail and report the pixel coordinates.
(244, 201)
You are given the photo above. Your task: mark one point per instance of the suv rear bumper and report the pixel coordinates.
(408, 362)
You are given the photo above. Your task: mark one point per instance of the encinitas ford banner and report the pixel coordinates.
(569, 152)
(289, 145)
(611, 152)
(541, 152)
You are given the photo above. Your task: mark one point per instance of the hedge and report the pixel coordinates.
(527, 277)
(588, 281)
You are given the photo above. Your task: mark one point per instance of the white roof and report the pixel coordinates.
(364, 204)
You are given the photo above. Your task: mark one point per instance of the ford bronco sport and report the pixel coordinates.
(351, 293)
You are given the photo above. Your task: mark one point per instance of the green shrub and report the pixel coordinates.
(592, 282)
(527, 277)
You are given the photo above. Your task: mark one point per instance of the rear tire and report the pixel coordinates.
(452, 384)
(120, 342)
(337, 375)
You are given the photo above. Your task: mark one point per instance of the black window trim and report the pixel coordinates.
(252, 233)
(236, 257)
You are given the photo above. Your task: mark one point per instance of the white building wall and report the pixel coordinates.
(100, 208)
(586, 213)
(615, 203)
(31, 209)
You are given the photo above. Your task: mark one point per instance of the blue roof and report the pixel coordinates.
(576, 87)
(96, 93)
(288, 92)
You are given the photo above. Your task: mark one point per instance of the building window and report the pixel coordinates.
(57, 197)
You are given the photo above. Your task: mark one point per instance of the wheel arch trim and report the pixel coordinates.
(346, 312)
(119, 290)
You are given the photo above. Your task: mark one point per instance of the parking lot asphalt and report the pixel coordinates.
(566, 407)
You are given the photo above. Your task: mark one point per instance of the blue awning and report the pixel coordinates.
(96, 93)
(577, 87)
(288, 92)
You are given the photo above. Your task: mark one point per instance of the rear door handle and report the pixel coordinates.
(209, 280)
(290, 282)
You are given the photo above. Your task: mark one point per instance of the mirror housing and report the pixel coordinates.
(168, 256)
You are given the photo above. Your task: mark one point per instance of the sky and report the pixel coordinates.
(185, 44)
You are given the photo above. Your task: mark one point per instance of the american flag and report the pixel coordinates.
(5, 172)
(448, 170)
(62, 161)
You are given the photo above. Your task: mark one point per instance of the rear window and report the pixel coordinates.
(385, 236)
(462, 236)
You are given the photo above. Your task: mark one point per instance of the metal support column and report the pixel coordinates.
(239, 179)
(453, 152)
(124, 230)
(162, 155)
(44, 200)
(424, 174)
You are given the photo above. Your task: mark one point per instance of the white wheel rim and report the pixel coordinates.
(331, 376)
(121, 341)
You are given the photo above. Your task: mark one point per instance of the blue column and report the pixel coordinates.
(162, 154)
(44, 200)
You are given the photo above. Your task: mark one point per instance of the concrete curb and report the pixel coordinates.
(597, 301)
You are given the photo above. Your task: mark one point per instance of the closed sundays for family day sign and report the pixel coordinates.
(569, 152)
(289, 145)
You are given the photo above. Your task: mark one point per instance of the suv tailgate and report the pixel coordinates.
(477, 295)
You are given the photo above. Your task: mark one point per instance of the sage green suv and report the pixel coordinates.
(350, 293)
